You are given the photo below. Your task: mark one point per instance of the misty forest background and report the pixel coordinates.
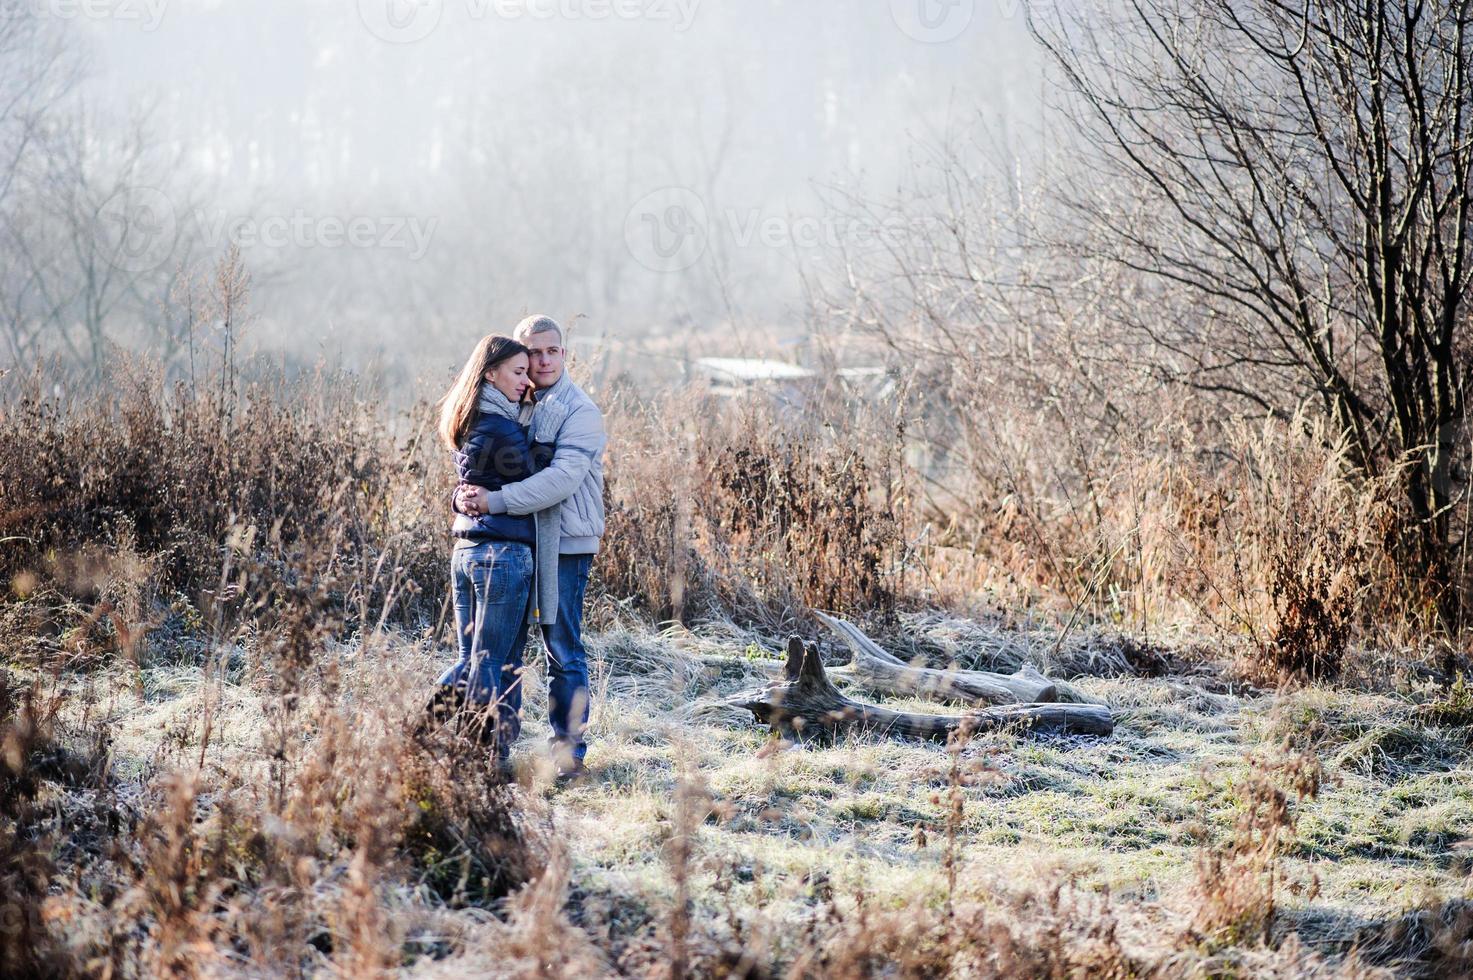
(524, 143)
(1125, 343)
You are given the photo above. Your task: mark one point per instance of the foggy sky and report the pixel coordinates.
(515, 144)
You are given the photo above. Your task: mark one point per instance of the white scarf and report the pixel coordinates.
(492, 401)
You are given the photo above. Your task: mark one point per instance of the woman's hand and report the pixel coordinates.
(472, 500)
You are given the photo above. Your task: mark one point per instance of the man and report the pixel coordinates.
(567, 498)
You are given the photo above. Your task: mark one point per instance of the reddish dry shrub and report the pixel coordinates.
(469, 836)
(179, 875)
(215, 872)
(645, 561)
(166, 477)
(27, 947)
(1238, 883)
(1058, 933)
(812, 506)
(1049, 481)
(1433, 941)
(1321, 542)
(746, 509)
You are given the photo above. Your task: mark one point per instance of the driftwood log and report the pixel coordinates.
(880, 671)
(806, 701)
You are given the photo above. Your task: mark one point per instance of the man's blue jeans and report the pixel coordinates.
(490, 582)
(567, 661)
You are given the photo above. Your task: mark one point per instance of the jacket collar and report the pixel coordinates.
(552, 406)
(558, 390)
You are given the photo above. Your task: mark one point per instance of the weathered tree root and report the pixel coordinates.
(881, 672)
(806, 701)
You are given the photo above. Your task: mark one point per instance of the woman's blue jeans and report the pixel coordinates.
(490, 583)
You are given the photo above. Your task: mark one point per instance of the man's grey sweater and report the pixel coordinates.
(568, 494)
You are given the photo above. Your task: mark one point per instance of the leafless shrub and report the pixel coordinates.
(1058, 933)
(1433, 941)
(745, 509)
(1238, 884)
(125, 499)
(470, 837)
(1322, 541)
(27, 947)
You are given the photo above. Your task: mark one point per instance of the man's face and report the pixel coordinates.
(548, 358)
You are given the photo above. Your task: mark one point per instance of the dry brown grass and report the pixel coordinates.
(287, 864)
(757, 511)
(1239, 884)
(1267, 542)
(127, 501)
(27, 755)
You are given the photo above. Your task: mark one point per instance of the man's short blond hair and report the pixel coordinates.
(535, 325)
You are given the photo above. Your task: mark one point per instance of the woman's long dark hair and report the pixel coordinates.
(458, 407)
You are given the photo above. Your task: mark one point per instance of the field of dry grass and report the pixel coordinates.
(776, 852)
(211, 764)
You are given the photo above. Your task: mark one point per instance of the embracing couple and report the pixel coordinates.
(529, 514)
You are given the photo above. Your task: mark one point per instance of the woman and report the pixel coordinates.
(491, 566)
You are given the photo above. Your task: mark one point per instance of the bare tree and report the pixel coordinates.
(1304, 170)
(96, 232)
(38, 70)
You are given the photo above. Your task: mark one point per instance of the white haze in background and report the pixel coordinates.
(525, 155)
